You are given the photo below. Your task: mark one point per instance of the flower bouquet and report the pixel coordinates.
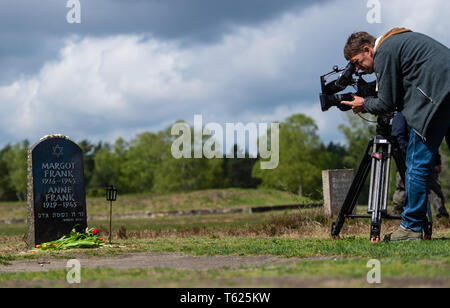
(88, 239)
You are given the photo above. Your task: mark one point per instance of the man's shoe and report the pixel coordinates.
(403, 235)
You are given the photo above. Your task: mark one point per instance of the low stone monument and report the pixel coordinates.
(336, 184)
(56, 192)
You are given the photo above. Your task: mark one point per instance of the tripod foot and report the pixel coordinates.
(375, 240)
(428, 232)
(334, 232)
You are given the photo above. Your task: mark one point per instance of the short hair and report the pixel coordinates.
(356, 42)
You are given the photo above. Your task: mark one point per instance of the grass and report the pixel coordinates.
(196, 200)
(351, 247)
(305, 223)
(350, 273)
(344, 263)
(300, 234)
(5, 258)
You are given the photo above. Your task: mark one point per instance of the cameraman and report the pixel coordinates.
(413, 76)
(401, 131)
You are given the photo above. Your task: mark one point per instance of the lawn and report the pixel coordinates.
(321, 262)
(196, 200)
(302, 235)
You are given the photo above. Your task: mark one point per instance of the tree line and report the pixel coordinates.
(145, 163)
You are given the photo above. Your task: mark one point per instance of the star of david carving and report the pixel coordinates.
(58, 151)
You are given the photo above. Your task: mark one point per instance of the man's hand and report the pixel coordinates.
(357, 104)
(439, 169)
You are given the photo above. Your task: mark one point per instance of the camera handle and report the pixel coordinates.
(377, 161)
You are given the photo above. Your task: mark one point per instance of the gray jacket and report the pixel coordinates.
(413, 74)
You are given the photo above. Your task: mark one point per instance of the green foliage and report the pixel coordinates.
(15, 160)
(302, 158)
(238, 171)
(145, 164)
(445, 175)
(181, 175)
(105, 172)
(144, 155)
(357, 132)
(336, 156)
(7, 191)
(75, 240)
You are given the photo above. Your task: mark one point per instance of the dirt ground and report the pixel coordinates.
(180, 261)
(146, 260)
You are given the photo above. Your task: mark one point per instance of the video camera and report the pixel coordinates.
(330, 97)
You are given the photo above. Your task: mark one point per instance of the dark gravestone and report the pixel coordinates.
(336, 184)
(56, 192)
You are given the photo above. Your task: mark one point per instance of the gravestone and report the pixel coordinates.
(336, 184)
(56, 192)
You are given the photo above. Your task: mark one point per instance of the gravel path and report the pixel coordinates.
(146, 260)
(181, 261)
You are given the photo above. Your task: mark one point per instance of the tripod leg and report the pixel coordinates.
(381, 158)
(387, 178)
(354, 191)
(377, 187)
(428, 227)
(428, 231)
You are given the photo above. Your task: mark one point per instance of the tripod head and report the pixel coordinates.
(384, 126)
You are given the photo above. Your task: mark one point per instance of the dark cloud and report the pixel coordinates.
(32, 32)
(194, 19)
(139, 65)
(197, 19)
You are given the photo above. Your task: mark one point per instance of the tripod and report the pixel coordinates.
(377, 159)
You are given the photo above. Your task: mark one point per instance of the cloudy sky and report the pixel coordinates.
(139, 65)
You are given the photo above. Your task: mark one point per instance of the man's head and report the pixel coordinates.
(359, 50)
